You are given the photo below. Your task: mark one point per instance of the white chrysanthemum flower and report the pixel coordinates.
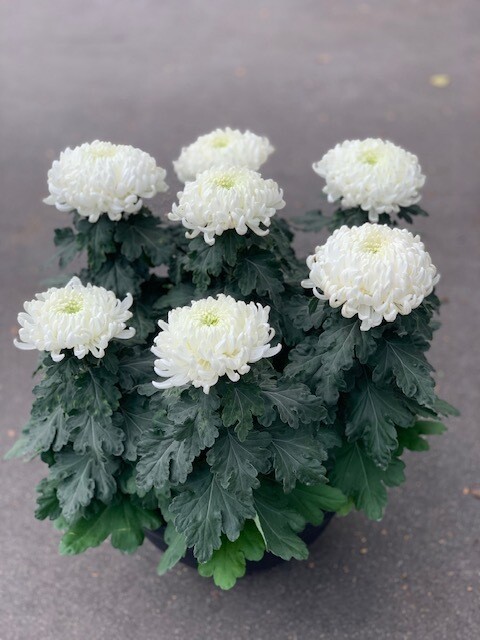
(373, 174)
(372, 271)
(227, 198)
(101, 177)
(222, 147)
(209, 339)
(74, 317)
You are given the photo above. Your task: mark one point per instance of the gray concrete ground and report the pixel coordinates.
(307, 74)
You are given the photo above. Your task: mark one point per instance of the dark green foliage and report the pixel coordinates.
(237, 463)
(228, 563)
(279, 522)
(205, 509)
(355, 217)
(122, 521)
(243, 469)
(296, 457)
(373, 413)
(358, 477)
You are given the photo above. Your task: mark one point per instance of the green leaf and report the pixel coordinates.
(444, 408)
(279, 522)
(136, 367)
(206, 510)
(373, 413)
(359, 478)
(232, 244)
(47, 501)
(144, 233)
(177, 548)
(306, 312)
(242, 401)
(312, 501)
(198, 410)
(43, 432)
(68, 249)
(296, 456)
(204, 261)
(79, 477)
(237, 464)
(228, 563)
(96, 434)
(142, 321)
(134, 417)
(412, 438)
(96, 393)
(117, 275)
(293, 403)
(165, 455)
(257, 272)
(311, 221)
(400, 359)
(97, 238)
(124, 522)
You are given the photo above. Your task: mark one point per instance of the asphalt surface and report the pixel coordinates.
(307, 74)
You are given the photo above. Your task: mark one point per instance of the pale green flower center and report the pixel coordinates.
(225, 182)
(220, 141)
(370, 157)
(71, 305)
(103, 151)
(374, 244)
(209, 319)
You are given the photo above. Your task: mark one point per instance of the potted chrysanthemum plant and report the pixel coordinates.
(254, 410)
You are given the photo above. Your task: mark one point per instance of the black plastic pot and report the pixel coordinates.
(308, 535)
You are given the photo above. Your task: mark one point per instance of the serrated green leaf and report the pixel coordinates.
(412, 438)
(228, 563)
(136, 367)
(124, 522)
(68, 248)
(96, 393)
(296, 457)
(165, 456)
(306, 312)
(177, 547)
(117, 275)
(279, 522)
(96, 434)
(205, 510)
(242, 401)
(237, 464)
(373, 413)
(97, 238)
(45, 431)
(293, 403)
(47, 501)
(78, 477)
(312, 501)
(144, 233)
(359, 478)
(134, 417)
(198, 410)
(142, 321)
(204, 261)
(401, 360)
(257, 272)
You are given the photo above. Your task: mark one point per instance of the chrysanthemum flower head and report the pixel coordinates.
(372, 271)
(373, 174)
(227, 198)
(222, 147)
(101, 177)
(82, 318)
(211, 338)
